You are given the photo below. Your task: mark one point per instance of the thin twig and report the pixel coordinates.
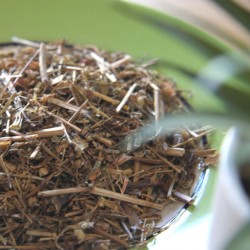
(7, 104)
(109, 236)
(25, 42)
(68, 106)
(4, 167)
(19, 138)
(98, 111)
(126, 97)
(26, 65)
(109, 143)
(176, 168)
(105, 97)
(192, 138)
(174, 152)
(43, 133)
(47, 132)
(101, 192)
(42, 63)
(64, 121)
(156, 101)
(120, 62)
(183, 197)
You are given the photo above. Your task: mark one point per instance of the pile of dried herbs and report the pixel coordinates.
(64, 183)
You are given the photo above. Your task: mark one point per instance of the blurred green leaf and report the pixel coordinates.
(219, 78)
(236, 11)
(198, 40)
(241, 240)
(168, 124)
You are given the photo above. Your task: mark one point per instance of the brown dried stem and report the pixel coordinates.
(42, 63)
(126, 97)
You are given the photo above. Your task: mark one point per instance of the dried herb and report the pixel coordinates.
(64, 182)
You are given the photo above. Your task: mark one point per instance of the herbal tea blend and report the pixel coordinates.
(64, 181)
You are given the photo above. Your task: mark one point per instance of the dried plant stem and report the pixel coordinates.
(120, 62)
(19, 138)
(124, 197)
(65, 122)
(109, 236)
(101, 192)
(183, 197)
(26, 65)
(98, 111)
(192, 138)
(136, 170)
(40, 233)
(34, 246)
(42, 63)
(5, 169)
(48, 132)
(192, 133)
(49, 152)
(126, 97)
(25, 42)
(10, 100)
(174, 152)
(8, 122)
(84, 104)
(130, 236)
(24, 177)
(177, 169)
(156, 101)
(108, 99)
(105, 141)
(68, 106)
(72, 67)
(204, 152)
(43, 133)
(49, 193)
(146, 160)
(36, 151)
(171, 186)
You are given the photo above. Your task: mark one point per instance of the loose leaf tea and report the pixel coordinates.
(65, 182)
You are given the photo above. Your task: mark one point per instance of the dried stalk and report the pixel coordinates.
(156, 101)
(67, 105)
(174, 152)
(105, 141)
(10, 100)
(118, 63)
(5, 169)
(111, 237)
(191, 139)
(42, 63)
(177, 169)
(25, 42)
(19, 138)
(40, 233)
(103, 193)
(126, 97)
(34, 246)
(49, 193)
(43, 133)
(26, 66)
(183, 197)
(65, 122)
(84, 104)
(48, 132)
